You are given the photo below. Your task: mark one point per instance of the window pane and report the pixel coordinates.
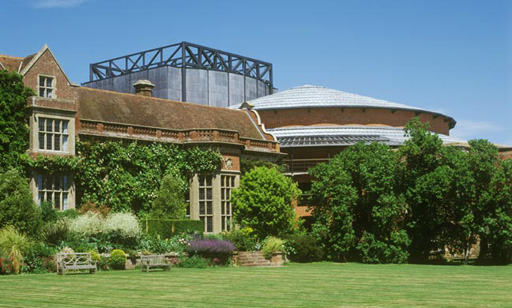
(49, 82)
(201, 208)
(64, 143)
(41, 81)
(64, 127)
(201, 193)
(56, 202)
(209, 208)
(65, 201)
(208, 193)
(222, 207)
(41, 124)
(57, 143)
(39, 182)
(41, 141)
(49, 125)
(65, 182)
(56, 183)
(209, 224)
(41, 92)
(56, 125)
(49, 93)
(49, 138)
(209, 181)
(223, 224)
(232, 181)
(228, 208)
(222, 194)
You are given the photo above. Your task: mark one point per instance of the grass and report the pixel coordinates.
(296, 285)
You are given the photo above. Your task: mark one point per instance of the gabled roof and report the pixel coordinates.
(310, 96)
(15, 64)
(130, 109)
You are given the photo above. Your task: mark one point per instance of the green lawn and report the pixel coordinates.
(296, 285)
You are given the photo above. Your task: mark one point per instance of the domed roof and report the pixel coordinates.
(310, 96)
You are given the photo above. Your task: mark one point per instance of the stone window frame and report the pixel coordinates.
(45, 185)
(227, 184)
(63, 136)
(45, 88)
(205, 198)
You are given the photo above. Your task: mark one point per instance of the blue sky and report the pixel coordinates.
(449, 56)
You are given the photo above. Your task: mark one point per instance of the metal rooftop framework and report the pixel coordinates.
(183, 55)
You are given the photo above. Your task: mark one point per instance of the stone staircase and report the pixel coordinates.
(255, 259)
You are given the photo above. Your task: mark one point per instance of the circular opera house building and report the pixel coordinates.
(314, 123)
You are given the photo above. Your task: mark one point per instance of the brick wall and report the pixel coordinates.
(349, 116)
(46, 65)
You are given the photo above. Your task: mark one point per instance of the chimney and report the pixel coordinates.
(144, 88)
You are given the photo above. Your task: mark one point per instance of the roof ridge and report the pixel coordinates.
(157, 99)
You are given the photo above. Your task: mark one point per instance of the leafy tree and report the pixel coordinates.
(170, 199)
(263, 202)
(16, 205)
(13, 119)
(359, 207)
(491, 201)
(426, 185)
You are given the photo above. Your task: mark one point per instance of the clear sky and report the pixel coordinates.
(454, 57)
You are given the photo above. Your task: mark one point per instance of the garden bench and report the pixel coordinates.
(75, 261)
(149, 261)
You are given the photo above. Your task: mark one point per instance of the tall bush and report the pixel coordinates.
(17, 207)
(170, 199)
(263, 202)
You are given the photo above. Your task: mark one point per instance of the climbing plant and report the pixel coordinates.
(126, 176)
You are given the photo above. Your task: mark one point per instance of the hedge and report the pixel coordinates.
(166, 228)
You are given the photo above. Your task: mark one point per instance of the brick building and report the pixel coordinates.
(63, 112)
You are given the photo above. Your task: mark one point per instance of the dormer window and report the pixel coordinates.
(46, 86)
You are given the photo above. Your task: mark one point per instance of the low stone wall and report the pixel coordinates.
(256, 259)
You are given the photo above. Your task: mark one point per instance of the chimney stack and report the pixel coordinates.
(144, 88)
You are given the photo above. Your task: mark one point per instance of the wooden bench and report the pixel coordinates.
(75, 261)
(150, 261)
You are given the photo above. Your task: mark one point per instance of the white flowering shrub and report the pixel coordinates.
(124, 224)
(87, 224)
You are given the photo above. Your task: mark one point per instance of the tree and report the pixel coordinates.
(359, 207)
(16, 205)
(425, 182)
(170, 199)
(491, 201)
(13, 119)
(263, 202)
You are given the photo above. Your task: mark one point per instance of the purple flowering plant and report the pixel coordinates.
(214, 250)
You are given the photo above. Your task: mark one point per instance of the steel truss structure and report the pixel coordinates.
(184, 55)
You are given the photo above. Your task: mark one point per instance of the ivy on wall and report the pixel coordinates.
(126, 176)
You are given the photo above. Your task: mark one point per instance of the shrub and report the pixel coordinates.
(193, 262)
(87, 224)
(48, 213)
(95, 256)
(40, 258)
(126, 224)
(243, 239)
(270, 245)
(211, 249)
(155, 244)
(117, 259)
(16, 205)
(55, 232)
(303, 248)
(70, 213)
(167, 228)
(14, 244)
(264, 202)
